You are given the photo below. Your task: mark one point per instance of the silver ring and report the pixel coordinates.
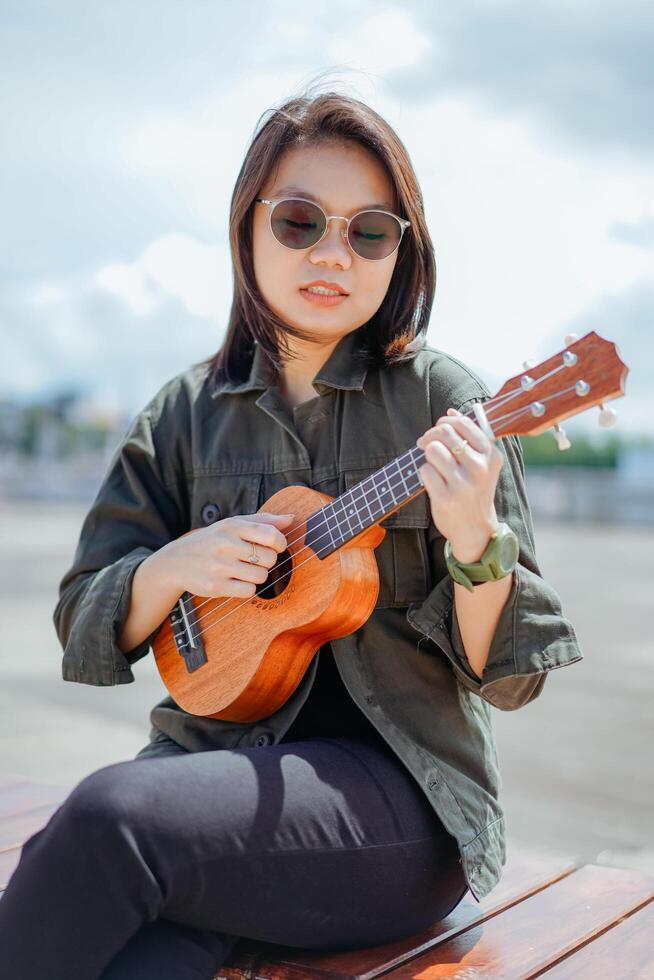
(456, 450)
(254, 558)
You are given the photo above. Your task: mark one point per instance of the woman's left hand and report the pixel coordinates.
(461, 486)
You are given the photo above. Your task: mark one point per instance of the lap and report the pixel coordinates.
(302, 842)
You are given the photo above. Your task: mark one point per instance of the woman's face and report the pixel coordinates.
(343, 179)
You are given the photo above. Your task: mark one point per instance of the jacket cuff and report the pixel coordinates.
(92, 654)
(532, 638)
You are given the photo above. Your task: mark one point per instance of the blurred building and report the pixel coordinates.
(59, 449)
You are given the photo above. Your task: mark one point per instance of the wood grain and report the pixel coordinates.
(625, 952)
(535, 933)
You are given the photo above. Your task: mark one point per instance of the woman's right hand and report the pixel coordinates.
(213, 561)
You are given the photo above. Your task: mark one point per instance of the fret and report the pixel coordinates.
(328, 517)
(339, 509)
(411, 472)
(362, 502)
(396, 464)
(404, 476)
(385, 493)
(351, 512)
(400, 492)
(372, 490)
(379, 502)
(343, 522)
(333, 525)
(364, 496)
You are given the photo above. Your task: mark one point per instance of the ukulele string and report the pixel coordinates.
(193, 636)
(511, 416)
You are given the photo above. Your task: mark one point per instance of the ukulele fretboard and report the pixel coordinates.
(366, 503)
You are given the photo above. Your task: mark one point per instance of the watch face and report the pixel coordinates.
(509, 552)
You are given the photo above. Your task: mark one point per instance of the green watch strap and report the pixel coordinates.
(498, 560)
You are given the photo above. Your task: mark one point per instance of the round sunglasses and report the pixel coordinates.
(297, 223)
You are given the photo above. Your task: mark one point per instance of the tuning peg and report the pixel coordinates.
(607, 416)
(570, 339)
(562, 440)
(530, 363)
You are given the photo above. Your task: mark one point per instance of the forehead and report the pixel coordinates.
(344, 177)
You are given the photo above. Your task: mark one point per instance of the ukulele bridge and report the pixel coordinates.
(187, 633)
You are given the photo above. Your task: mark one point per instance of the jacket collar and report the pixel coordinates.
(343, 369)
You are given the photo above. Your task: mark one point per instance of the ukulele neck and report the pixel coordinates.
(366, 503)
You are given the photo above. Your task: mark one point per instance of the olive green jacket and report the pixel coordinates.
(199, 453)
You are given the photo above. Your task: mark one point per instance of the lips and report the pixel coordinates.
(327, 285)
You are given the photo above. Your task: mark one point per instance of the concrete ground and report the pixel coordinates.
(576, 763)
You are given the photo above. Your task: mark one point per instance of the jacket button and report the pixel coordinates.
(210, 513)
(264, 739)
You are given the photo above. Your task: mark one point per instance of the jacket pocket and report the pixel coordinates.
(402, 556)
(214, 498)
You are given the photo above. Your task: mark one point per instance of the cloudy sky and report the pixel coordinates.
(529, 124)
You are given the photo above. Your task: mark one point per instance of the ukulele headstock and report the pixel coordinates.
(585, 373)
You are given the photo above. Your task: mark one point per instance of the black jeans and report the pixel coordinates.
(153, 868)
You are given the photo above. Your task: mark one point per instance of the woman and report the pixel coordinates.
(365, 807)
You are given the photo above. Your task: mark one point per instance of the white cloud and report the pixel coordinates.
(174, 266)
(130, 284)
(199, 154)
(46, 294)
(386, 40)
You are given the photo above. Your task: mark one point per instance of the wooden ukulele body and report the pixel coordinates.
(258, 649)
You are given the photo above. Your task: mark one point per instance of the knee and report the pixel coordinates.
(102, 829)
(105, 800)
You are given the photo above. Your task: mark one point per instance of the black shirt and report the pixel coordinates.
(329, 710)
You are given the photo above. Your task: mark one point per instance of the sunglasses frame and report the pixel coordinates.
(272, 202)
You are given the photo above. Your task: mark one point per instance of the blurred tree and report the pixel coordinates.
(542, 450)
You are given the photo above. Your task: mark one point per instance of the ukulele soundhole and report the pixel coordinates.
(278, 577)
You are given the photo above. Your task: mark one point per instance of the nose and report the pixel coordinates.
(333, 249)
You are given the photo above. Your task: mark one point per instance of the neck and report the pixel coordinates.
(304, 363)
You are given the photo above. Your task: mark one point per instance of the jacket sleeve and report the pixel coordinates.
(532, 635)
(136, 512)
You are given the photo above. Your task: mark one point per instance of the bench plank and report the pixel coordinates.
(535, 933)
(625, 952)
(8, 863)
(16, 828)
(23, 795)
(523, 875)
(25, 807)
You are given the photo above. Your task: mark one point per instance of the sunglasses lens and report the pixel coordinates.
(374, 234)
(297, 224)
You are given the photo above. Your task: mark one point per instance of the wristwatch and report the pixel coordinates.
(498, 560)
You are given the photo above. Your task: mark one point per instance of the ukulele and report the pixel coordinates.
(241, 659)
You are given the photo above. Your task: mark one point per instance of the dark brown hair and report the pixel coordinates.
(305, 120)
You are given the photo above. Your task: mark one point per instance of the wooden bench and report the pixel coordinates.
(547, 916)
